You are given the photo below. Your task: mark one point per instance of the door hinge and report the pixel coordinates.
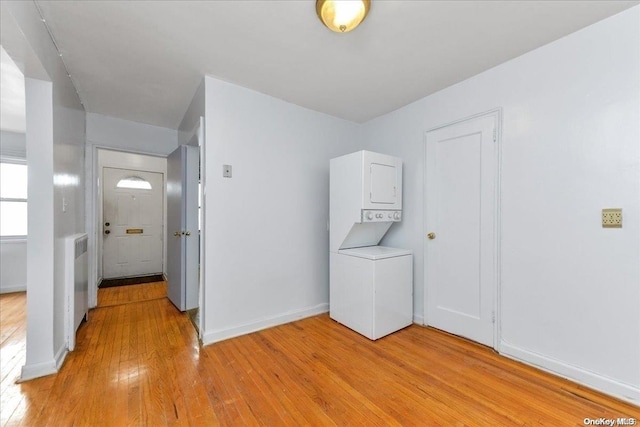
(493, 316)
(494, 134)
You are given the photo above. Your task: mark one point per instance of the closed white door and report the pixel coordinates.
(460, 247)
(132, 223)
(182, 223)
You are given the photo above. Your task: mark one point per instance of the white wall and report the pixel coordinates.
(41, 353)
(110, 132)
(13, 252)
(13, 274)
(570, 290)
(267, 257)
(69, 200)
(55, 150)
(192, 117)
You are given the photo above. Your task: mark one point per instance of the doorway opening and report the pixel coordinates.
(13, 217)
(130, 218)
(184, 220)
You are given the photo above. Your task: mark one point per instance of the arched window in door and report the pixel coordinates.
(134, 182)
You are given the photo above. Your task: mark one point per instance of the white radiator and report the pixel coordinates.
(76, 284)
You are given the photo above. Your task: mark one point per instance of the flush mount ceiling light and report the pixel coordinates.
(342, 16)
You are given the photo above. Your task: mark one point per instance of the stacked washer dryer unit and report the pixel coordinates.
(371, 287)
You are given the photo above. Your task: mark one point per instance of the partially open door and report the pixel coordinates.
(182, 227)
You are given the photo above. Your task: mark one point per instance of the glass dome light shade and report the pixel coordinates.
(342, 16)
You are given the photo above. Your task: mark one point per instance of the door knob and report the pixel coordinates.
(177, 234)
(106, 224)
(431, 236)
(187, 233)
(107, 231)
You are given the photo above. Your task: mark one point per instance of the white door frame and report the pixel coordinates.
(196, 138)
(496, 113)
(106, 156)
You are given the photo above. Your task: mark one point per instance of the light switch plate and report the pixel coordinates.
(226, 171)
(612, 218)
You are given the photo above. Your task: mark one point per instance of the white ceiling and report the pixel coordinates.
(143, 60)
(12, 100)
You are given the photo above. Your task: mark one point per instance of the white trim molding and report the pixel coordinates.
(497, 114)
(13, 288)
(418, 319)
(210, 337)
(626, 392)
(37, 370)
(61, 355)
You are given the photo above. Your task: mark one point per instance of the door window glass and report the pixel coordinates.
(134, 182)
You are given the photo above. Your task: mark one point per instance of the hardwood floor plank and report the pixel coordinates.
(335, 396)
(138, 362)
(281, 385)
(224, 394)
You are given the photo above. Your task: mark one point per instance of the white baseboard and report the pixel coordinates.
(210, 337)
(418, 319)
(589, 379)
(38, 370)
(11, 289)
(30, 372)
(61, 354)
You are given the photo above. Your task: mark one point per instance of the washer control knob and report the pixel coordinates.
(396, 215)
(369, 215)
(390, 215)
(379, 215)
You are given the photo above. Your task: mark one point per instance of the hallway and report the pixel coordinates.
(120, 364)
(138, 363)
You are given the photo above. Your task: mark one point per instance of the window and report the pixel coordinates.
(134, 182)
(13, 199)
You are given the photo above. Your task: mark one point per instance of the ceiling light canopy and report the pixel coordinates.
(342, 16)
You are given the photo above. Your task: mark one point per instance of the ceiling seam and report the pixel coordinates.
(55, 44)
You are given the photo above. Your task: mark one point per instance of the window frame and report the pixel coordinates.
(18, 237)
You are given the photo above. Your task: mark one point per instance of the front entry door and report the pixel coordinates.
(182, 225)
(132, 223)
(460, 245)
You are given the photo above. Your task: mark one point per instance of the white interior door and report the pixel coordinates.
(182, 221)
(132, 223)
(460, 250)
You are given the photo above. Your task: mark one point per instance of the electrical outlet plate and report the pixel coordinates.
(226, 171)
(612, 218)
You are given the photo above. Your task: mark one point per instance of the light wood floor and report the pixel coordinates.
(138, 362)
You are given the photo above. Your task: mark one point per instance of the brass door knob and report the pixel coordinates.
(431, 236)
(177, 234)
(107, 232)
(187, 233)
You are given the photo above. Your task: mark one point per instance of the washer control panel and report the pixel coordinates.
(381, 216)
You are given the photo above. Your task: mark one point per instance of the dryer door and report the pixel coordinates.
(381, 182)
(384, 186)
